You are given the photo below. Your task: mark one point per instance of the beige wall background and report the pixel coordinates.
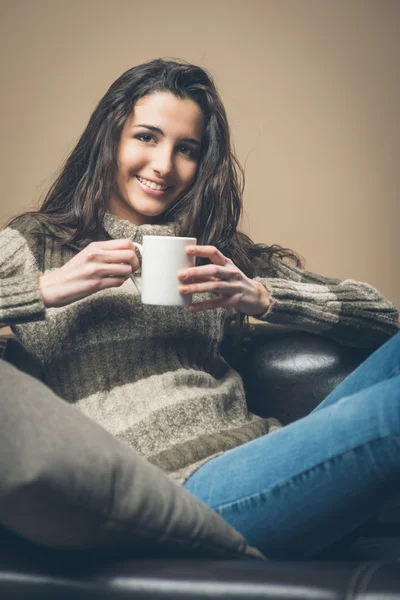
(312, 90)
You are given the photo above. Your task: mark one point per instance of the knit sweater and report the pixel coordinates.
(154, 376)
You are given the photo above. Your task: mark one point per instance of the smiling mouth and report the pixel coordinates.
(152, 185)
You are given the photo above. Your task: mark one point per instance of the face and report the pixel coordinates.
(158, 157)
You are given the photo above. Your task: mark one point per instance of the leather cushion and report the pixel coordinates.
(65, 482)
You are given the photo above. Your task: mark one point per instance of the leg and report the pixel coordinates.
(384, 363)
(300, 489)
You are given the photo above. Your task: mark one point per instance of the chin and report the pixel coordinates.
(147, 212)
(155, 210)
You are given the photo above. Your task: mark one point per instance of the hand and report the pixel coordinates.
(99, 266)
(235, 289)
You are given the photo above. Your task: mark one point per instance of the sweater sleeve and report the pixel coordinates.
(350, 312)
(20, 299)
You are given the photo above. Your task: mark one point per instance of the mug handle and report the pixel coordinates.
(140, 248)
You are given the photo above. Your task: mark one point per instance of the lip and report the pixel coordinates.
(150, 191)
(158, 182)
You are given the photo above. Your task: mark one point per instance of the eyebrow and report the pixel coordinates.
(158, 130)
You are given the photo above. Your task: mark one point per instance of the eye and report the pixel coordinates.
(144, 137)
(187, 151)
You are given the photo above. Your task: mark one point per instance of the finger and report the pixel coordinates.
(122, 244)
(95, 255)
(119, 256)
(110, 282)
(218, 287)
(209, 273)
(210, 252)
(186, 280)
(114, 270)
(219, 302)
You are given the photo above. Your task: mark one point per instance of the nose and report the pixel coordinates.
(163, 160)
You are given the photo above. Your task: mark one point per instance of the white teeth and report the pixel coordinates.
(151, 184)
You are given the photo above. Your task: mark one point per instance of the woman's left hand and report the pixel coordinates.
(223, 277)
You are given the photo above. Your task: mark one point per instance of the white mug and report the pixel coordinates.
(162, 258)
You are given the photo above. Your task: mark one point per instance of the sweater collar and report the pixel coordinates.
(118, 229)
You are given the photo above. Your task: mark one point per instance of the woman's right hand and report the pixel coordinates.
(99, 266)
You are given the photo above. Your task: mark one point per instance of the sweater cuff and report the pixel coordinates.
(296, 303)
(21, 303)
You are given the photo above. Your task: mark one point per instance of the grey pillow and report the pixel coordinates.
(65, 482)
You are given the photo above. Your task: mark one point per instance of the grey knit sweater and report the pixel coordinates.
(154, 376)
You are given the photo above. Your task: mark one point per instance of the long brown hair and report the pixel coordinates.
(209, 210)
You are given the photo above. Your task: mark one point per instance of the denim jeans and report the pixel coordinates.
(297, 490)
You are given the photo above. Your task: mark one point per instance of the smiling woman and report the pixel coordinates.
(156, 160)
(157, 157)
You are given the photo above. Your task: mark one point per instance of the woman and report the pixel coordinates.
(155, 159)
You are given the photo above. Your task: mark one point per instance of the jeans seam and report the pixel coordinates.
(285, 483)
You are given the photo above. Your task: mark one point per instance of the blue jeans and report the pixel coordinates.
(299, 489)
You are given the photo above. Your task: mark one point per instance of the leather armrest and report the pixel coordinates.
(286, 375)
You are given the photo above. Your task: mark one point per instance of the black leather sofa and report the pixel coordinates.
(286, 374)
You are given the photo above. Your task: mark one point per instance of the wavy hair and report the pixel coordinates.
(210, 209)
